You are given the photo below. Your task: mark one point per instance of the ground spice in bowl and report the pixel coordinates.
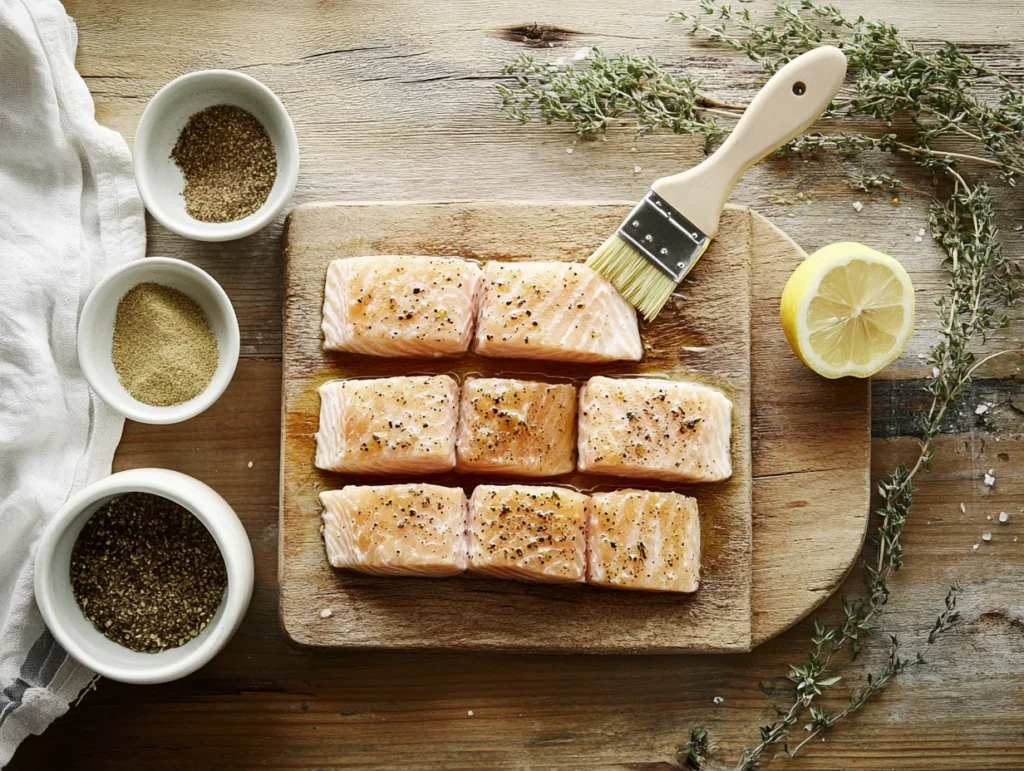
(228, 161)
(147, 573)
(164, 352)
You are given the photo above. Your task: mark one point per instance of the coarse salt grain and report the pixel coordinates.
(989, 479)
(921, 232)
(637, 169)
(857, 205)
(1003, 516)
(581, 54)
(975, 547)
(718, 699)
(469, 712)
(986, 536)
(326, 613)
(981, 409)
(935, 373)
(250, 464)
(963, 509)
(568, 150)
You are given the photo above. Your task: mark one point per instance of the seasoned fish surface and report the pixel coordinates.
(400, 306)
(655, 429)
(560, 311)
(397, 425)
(409, 530)
(528, 533)
(643, 540)
(516, 427)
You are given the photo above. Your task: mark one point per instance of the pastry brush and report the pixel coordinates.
(667, 232)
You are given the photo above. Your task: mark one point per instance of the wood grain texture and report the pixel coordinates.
(411, 115)
(707, 340)
(810, 491)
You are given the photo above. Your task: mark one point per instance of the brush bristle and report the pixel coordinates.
(640, 281)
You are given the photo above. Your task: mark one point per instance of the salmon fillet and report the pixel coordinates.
(400, 306)
(655, 429)
(395, 425)
(410, 530)
(516, 427)
(560, 311)
(528, 533)
(643, 540)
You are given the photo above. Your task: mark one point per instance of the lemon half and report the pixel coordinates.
(848, 310)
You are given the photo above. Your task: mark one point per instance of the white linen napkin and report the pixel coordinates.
(69, 213)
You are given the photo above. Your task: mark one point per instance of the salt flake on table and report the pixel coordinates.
(918, 239)
(326, 613)
(981, 409)
(921, 232)
(469, 713)
(569, 150)
(986, 536)
(857, 205)
(1003, 516)
(718, 699)
(963, 509)
(250, 464)
(581, 54)
(989, 479)
(975, 547)
(637, 169)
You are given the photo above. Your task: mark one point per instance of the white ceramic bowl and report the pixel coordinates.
(78, 635)
(161, 182)
(96, 335)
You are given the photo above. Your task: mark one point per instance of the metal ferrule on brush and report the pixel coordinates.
(666, 237)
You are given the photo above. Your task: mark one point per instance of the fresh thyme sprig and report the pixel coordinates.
(941, 92)
(629, 90)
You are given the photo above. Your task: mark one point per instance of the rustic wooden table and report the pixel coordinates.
(396, 100)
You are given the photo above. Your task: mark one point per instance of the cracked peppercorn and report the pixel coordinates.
(228, 161)
(147, 573)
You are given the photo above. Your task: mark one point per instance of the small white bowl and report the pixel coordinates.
(77, 634)
(96, 335)
(161, 182)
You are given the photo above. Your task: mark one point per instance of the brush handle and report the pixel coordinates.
(790, 102)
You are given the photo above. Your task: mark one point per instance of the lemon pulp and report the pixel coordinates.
(848, 310)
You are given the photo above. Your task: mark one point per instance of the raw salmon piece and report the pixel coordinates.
(562, 311)
(400, 306)
(516, 427)
(643, 540)
(528, 533)
(414, 530)
(395, 425)
(655, 429)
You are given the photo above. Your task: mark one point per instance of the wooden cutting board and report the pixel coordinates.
(770, 551)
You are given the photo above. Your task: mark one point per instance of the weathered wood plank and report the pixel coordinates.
(709, 341)
(265, 704)
(400, 105)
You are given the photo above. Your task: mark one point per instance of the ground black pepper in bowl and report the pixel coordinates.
(228, 161)
(147, 573)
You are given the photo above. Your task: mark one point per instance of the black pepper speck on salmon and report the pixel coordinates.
(528, 533)
(395, 425)
(516, 427)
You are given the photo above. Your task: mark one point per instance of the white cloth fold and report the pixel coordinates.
(69, 213)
